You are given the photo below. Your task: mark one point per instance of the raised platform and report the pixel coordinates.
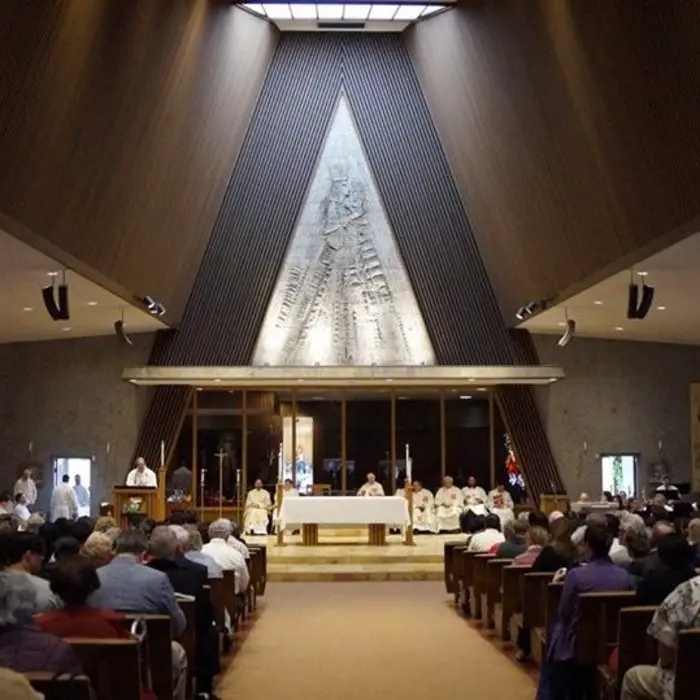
(344, 555)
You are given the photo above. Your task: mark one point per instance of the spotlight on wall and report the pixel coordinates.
(120, 332)
(568, 333)
(56, 299)
(155, 308)
(636, 307)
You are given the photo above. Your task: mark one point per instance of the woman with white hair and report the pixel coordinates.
(25, 647)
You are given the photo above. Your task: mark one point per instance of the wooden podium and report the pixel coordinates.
(134, 500)
(549, 502)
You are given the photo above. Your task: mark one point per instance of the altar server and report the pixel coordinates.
(26, 486)
(371, 487)
(449, 503)
(64, 504)
(423, 509)
(141, 476)
(257, 509)
(473, 495)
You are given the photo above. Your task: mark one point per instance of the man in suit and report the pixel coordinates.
(167, 548)
(127, 585)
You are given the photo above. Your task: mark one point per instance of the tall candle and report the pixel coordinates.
(162, 453)
(280, 466)
(408, 464)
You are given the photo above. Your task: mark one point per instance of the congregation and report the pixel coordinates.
(648, 554)
(91, 578)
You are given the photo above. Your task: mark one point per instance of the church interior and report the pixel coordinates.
(344, 334)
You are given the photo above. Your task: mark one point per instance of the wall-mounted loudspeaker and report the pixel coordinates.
(56, 301)
(568, 333)
(121, 333)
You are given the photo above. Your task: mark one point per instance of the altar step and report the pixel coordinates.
(381, 571)
(325, 556)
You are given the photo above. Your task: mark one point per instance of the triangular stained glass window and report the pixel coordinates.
(343, 296)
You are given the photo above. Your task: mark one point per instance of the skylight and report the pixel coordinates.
(287, 15)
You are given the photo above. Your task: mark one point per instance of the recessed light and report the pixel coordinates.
(561, 323)
(481, 388)
(642, 274)
(598, 303)
(28, 308)
(52, 274)
(661, 308)
(92, 303)
(619, 328)
(465, 397)
(65, 329)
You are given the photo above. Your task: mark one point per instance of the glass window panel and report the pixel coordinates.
(356, 11)
(303, 11)
(330, 12)
(382, 12)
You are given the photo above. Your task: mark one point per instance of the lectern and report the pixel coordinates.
(135, 500)
(549, 502)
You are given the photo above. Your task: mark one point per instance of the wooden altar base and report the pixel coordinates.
(345, 555)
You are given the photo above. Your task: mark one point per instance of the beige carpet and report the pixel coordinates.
(367, 641)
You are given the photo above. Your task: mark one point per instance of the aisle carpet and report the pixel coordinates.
(367, 641)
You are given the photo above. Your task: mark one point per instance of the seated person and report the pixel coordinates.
(490, 535)
(561, 677)
(423, 510)
(679, 611)
(24, 646)
(500, 503)
(448, 503)
(193, 552)
(129, 586)
(236, 541)
(98, 549)
(189, 578)
(258, 505)
(74, 579)
(694, 538)
(632, 532)
(515, 533)
(226, 556)
(474, 495)
(535, 540)
(25, 556)
(371, 487)
(676, 565)
(641, 567)
(668, 490)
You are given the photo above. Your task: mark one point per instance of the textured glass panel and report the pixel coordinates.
(343, 296)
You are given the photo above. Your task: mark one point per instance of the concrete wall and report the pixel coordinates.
(67, 398)
(618, 397)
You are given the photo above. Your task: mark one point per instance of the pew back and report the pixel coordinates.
(512, 604)
(62, 687)
(598, 620)
(158, 652)
(635, 646)
(494, 584)
(112, 665)
(534, 598)
(687, 656)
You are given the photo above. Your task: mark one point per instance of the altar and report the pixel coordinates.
(309, 512)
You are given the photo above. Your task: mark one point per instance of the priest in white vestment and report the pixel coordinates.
(288, 491)
(64, 504)
(26, 486)
(449, 503)
(474, 497)
(423, 510)
(371, 487)
(500, 503)
(141, 475)
(257, 510)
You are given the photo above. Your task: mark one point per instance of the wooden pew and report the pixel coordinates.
(218, 601)
(466, 583)
(534, 608)
(456, 568)
(509, 609)
(494, 584)
(188, 638)
(687, 658)
(598, 620)
(62, 687)
(158, 652)
(261, 583)
(480, 563)
(112, 665)
(448, 562)
(230, 600)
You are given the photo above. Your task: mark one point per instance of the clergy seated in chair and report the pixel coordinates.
(449, 503)
(257, 510)
(474, 497)
(424, 520)
(371, 487)
(500, 503)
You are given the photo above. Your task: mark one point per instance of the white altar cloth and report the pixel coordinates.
(344, 510)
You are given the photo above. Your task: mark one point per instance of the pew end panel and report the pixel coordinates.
(494, 586)
(158, 652)
(63, 687)
(511, 599)
(687, 659)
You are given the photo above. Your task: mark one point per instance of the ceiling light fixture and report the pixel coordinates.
(569, 333)
(465, 397)
(642, 274)
(619, 328)
(638, 308)
(52, 274)
(28, 308)
(121, 332)
(66, 329)
(56, 298)
(481, 388)
(92, 303)
(661, 308)
(598, 303)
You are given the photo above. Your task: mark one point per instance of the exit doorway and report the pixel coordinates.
(80, 467)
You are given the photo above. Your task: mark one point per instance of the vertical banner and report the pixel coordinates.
(304, 452)
(695, 434)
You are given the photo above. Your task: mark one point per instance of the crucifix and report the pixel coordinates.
(221, 455)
